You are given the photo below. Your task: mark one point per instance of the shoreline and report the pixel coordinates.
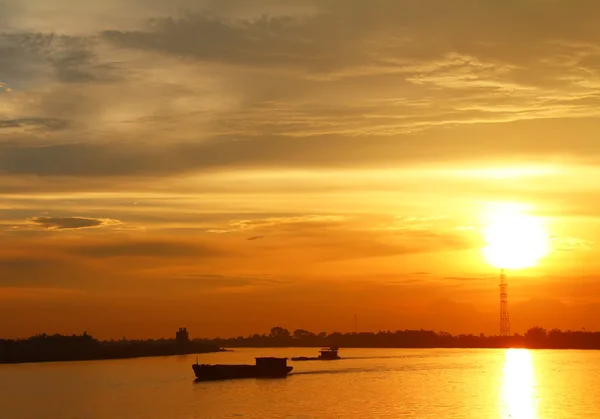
(109, 357)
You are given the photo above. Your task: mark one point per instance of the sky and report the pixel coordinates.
(230, 166)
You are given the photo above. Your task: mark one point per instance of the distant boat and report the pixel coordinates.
(325, 354)
(265, 367)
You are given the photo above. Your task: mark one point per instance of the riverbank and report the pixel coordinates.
(85, 348)
(534, 338)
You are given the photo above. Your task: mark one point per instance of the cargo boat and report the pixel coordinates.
(326, 354)
(265, 367)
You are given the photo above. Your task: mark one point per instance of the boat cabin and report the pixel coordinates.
(271, 362)
(329, 353)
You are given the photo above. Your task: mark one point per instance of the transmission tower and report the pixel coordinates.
(504, 320)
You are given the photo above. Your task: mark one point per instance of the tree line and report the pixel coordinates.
(44, 348)
(535, 338)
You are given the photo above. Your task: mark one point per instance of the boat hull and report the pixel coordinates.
(228, 372)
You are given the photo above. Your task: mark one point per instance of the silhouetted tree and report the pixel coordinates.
(278, 332)
(303, 334)
(536, 334)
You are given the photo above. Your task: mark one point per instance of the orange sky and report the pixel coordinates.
(230, 166)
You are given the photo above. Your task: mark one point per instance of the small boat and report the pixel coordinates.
(325, 354)
(265, 367)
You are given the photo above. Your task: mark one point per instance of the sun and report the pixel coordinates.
(514, 240)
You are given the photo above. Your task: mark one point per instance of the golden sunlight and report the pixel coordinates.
(514, 240)
(519, 391)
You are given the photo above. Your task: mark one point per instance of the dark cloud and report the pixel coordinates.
(486, 141)
(221, 281)
(380, 35)
(392, 69)
(69, 223)
(49, 124)
(266, 41)
(33, 268)
(31, 264)
(26, 56)
(145, 248)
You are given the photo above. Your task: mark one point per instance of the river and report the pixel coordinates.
(367, 383)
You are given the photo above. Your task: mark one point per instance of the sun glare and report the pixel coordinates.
(519, 387)
(514, 240)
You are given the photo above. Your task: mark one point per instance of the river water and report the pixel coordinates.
(367, 383)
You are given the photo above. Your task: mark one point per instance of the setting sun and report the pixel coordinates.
(514, 240)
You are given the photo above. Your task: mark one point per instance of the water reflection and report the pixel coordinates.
(519, 387)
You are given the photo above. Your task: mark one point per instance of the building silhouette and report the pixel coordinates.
(182, 335)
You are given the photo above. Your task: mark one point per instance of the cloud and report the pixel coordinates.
(4, 87)
(26, 56)
(276, 152)
(571, 244)
(212, 281)
(336, 238)
(352, 34)
(301, 84)
(315, 244)
(34, 268)
(471, 278)
(411, 69)
(49, 124)
(72, 223)
(165, 248)
(28, 264)
(278, 222)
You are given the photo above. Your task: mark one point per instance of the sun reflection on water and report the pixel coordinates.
(519, 386)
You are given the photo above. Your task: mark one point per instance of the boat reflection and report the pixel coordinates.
(518, 392)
